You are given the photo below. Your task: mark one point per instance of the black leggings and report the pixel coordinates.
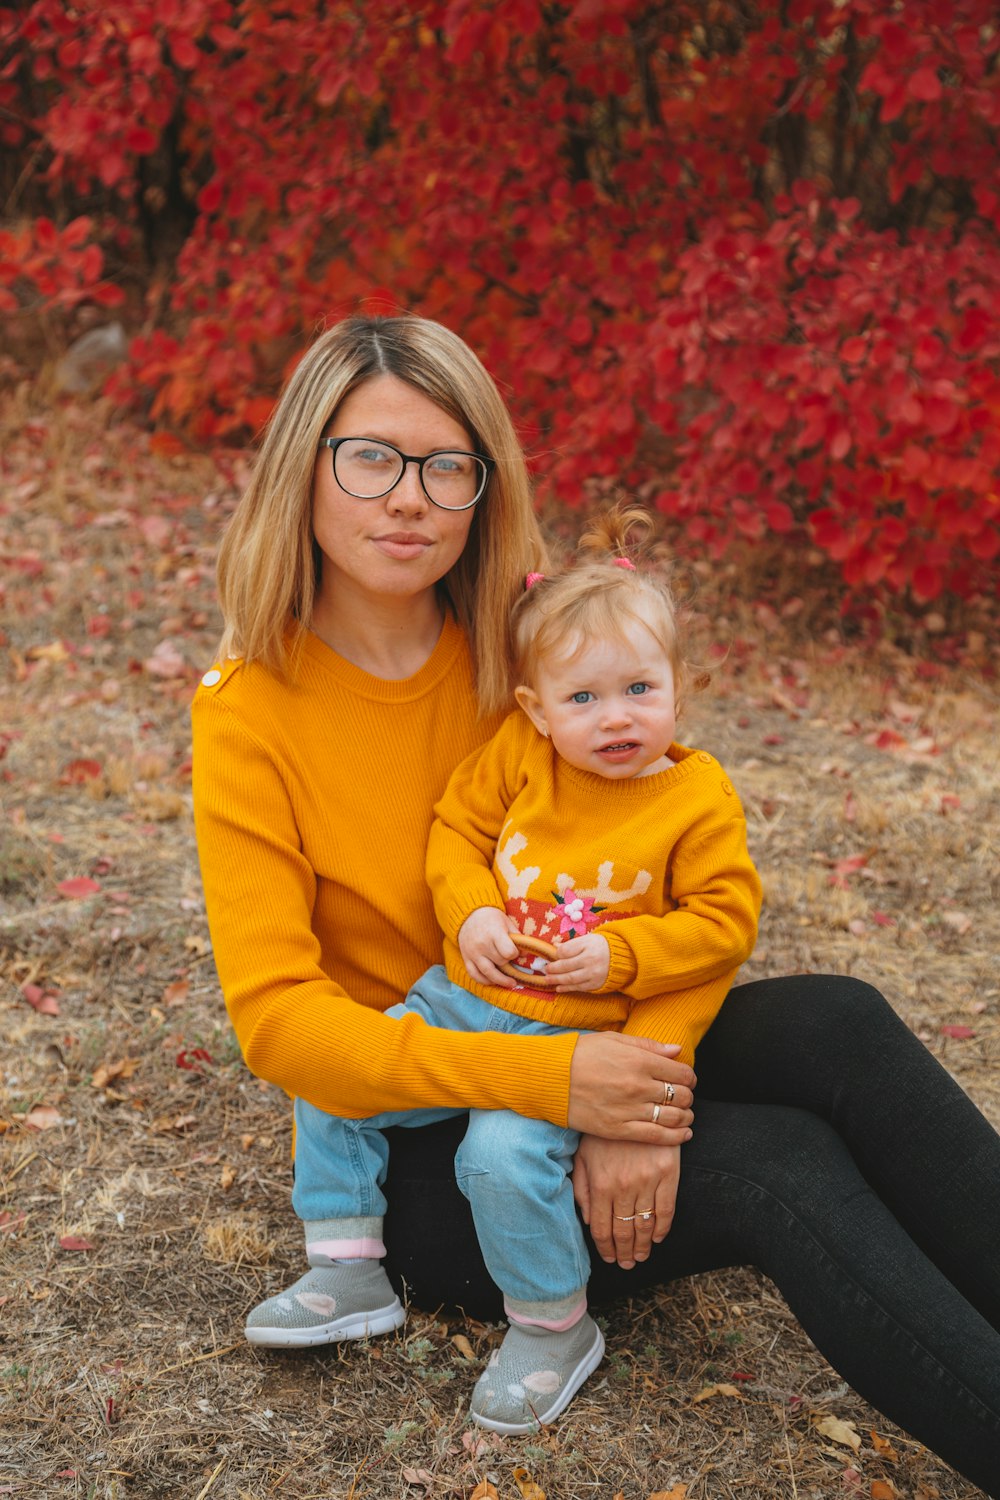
(833, 1152)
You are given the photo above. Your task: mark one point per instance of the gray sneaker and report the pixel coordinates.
(325, 1305)
(534, 1375)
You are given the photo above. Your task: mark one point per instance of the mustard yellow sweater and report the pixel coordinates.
(313, 805)
(657, 864)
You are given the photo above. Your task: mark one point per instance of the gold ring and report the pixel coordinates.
(624, 1218)
(646, 1213)
(669, 1093)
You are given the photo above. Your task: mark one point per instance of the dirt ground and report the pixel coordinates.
(145, 1173)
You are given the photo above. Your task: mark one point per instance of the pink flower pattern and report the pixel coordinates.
(579, 914)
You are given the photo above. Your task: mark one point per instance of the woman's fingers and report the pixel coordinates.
(630, 1194)
(619, 1089)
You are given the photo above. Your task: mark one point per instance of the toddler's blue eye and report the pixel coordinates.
(638, 688)
(582, 697)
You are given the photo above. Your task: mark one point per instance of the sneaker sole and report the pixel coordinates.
(353, 1326)
(588, 1364)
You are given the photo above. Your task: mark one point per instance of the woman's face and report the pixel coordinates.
(399, 546)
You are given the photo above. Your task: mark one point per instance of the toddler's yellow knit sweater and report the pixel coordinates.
(658, 865)
(313, 804)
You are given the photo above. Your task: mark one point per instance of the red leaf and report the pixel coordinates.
(961, 1033)
(74, 1242)
(76, 772)
(78, 887)
(191, 1057)
(44, 1001)
(925, 85)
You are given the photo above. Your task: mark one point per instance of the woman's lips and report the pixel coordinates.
(402, 544)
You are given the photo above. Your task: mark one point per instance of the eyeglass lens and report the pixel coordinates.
(369, 469)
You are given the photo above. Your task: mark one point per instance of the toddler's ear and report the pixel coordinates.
(531, 703)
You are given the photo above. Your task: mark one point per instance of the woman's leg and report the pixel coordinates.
(778, 1187)
(834, 1046)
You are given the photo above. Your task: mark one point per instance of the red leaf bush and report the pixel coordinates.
(742, 260)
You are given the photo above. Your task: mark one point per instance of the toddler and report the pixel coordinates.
(585, 828)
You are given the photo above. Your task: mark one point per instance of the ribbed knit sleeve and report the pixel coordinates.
(282, 904)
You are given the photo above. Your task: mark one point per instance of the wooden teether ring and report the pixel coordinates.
(529, 945)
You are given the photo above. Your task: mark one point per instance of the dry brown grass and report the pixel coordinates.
(123, 1372)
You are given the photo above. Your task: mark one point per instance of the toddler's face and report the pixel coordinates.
(608, 705)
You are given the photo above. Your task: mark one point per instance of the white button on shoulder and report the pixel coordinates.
(211, 678)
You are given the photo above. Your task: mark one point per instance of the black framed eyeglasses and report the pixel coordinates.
(369, 468)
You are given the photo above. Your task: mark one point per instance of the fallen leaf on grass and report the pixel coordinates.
(176, 993)
(44, 1001)
(74, 1242)
(463, 1346)
(840, 1432)
(227, 1177)
(484, 1491)
(959, 920)
(77, 888)
(529, 1489)
(679, 1492)
(960, 1033)
(106, 1073)
(191, 1059)
(11, 1223)
(76, 772)
(418, 1476)
(883, 1447)
(166, 1123)
(43, 1117)
(715, 1390)
(166, 661)
(881, 1489)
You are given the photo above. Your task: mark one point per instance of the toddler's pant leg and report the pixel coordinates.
(340, 1166)
(515, 1174)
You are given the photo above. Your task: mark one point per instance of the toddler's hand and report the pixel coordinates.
(583, 964)
(484, 942)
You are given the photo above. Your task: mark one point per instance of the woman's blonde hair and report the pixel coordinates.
(615, 580)
(269, 563)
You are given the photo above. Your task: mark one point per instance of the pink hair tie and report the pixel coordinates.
(624, 562)
(532, 579)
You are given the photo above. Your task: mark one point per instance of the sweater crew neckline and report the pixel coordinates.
(687, 763)
(386, 689)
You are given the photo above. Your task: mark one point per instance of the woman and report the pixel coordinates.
(365, 653)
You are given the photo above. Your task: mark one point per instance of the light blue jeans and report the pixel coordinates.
(514, 1172)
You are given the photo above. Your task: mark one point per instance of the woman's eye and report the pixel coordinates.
(447, 465)
(372, 456)
(636, 689)
(583, 697)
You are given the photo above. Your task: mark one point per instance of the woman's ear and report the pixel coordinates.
(529, 700)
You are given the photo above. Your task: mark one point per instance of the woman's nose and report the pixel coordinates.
(407, 495)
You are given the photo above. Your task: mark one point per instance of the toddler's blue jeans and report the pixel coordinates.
(514, 1172)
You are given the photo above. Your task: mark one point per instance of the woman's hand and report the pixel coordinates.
(582, 965)
(484, 942)
(617, 1089)
(616, 1183)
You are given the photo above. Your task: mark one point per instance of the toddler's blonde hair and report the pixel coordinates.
(615, 580)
